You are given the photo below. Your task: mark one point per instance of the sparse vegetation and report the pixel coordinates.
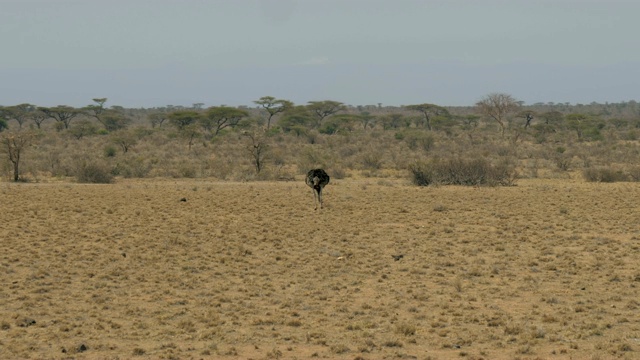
(241, 268)
(457, 171)
(476, 275)
(90, 171)
(493, 143)
(605, 174)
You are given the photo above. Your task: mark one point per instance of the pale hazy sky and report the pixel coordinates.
(148, 53)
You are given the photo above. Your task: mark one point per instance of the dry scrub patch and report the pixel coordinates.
(547, 269)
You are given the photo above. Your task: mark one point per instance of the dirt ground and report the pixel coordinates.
(547, 269)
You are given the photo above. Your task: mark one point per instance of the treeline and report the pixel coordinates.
(282, 137)
(327, 117)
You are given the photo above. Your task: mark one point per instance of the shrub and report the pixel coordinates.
(563, 162)
(337, 172)
(634, 173)
(93, 173)
(417, 139)
(372, 161)
(421, 174)
(604, 174)
(110, 151)
(406, 329)
(462, 172)
(134, 167)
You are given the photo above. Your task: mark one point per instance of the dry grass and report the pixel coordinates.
(547, 269)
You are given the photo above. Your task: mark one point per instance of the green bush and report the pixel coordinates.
(110, 151)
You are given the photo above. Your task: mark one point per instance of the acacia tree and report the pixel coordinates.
(429, 111)
(14, 144)
(273, 106)
(552, 117)
(296, 120)
(61, 113)
(157, 118)
(341, 123)
(470, 121)
(190, 133)
(497, 106)
(182, 118)
(82, 128)
(38, 117)
(5, 116)
(367, 120)
(96, 110)
(19, 113)
(124, 139)
(115, 120)
(220, 117)
(577, 122)
(322, 109)
(394, 121)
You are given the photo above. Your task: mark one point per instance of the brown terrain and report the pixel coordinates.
(547, 269)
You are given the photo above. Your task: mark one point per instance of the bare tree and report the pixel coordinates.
(497, 106)
(14, 144)
(257, 147)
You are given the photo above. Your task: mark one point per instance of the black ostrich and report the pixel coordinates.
(317, 179)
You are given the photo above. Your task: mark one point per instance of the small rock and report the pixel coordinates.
(26, 322)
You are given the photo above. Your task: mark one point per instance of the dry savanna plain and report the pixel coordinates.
(198, 269)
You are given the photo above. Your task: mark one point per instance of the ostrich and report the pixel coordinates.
(317, 179)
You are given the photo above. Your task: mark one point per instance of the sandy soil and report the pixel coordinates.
(548, 269)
